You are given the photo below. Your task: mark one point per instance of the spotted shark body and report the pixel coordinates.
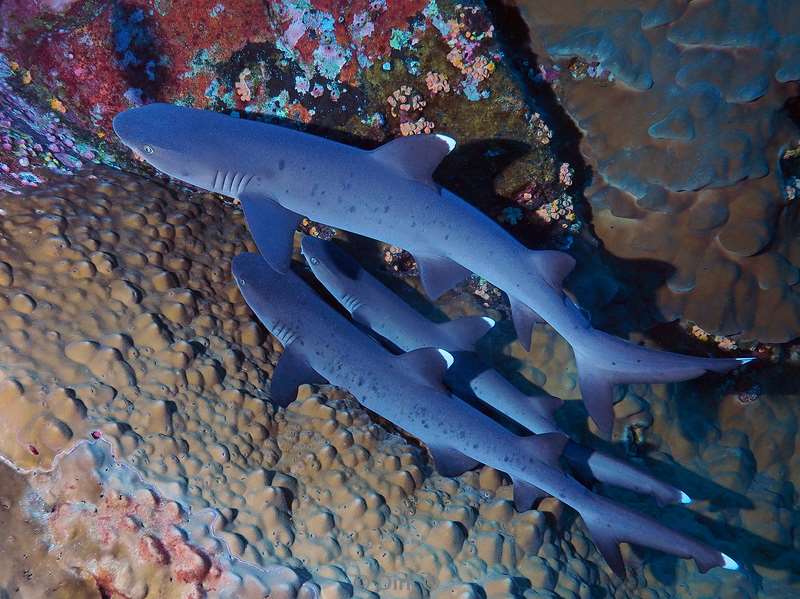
(407, 390)
(388, 194)
(375, 306)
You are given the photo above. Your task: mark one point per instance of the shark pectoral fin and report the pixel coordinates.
(415, 157)
(524, 318)
(553, 265)
(598, 397)
(428, 365)
(291, 372)
(272, 227)
(468, 330)
(439, 274)
(525, 495)
(607, 544)
(451, 462)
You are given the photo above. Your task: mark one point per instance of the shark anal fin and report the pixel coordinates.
(546, 447)
(466, 331)
(524, 318)
(598, 397)
(553, 266)
(439, 274)
(451, 462)
(272, 227)
(428, 365)
(291, 372)
(415, 157)
(525, 495)
(607, 544)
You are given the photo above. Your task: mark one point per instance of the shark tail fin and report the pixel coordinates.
(597, 391)
(610, 524)
(466, 331)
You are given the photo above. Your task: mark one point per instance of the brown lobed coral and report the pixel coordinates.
(682, 109)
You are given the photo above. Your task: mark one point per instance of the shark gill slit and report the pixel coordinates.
(243, 183)
(215, 185)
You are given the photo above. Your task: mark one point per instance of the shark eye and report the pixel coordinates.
(241, 281)
(147, 149)
(314, 261)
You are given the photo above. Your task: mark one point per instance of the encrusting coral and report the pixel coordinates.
(684, 122)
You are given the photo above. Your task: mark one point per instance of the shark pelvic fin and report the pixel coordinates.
(552, 265)
(291, 372)
(439, 274)
(467, 331)
(526, 494)
(415, 157)
(272, 227)
(598, 397)
(427, 365)
(451, 462)
(524, 318)
(607, 544)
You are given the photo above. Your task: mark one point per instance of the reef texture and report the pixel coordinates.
(120, 322)
(123, 331)
(682, 106)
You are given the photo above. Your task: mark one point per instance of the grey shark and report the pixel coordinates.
(319, 342)
(389, 194)
(375, 306)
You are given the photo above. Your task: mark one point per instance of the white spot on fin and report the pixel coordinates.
(448, 357)
(685, 499)
(729, 563)
(415, 157)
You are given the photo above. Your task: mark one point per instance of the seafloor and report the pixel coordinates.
(141, 457)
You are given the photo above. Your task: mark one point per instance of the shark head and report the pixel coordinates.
(269, 293)
(331, 265)
(179, 141)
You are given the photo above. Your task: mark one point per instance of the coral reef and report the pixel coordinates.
(136, 326)
(682, 110)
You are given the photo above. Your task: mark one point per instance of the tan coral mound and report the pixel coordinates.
(120, 321)
(683, 122)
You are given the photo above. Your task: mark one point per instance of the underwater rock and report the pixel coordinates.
(181, 396)
(682, 110)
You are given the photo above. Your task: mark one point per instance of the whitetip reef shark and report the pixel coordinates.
(407, 390)
(388, 194)
(375, 306)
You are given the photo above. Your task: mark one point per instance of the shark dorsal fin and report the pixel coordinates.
(415, 157)
(427, 365)
(466, 331)
(553, 266)
(439, 274)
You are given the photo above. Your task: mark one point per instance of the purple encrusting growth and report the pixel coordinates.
(319, 343)
(32, 140)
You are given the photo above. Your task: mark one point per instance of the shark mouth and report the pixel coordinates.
(230, 183)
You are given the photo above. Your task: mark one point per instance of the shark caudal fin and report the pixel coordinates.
(466, 332)
(610, 524)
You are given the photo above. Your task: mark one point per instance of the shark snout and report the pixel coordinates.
(327, 254)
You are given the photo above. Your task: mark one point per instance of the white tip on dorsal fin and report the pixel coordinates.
(427, 365)
(416, 156)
